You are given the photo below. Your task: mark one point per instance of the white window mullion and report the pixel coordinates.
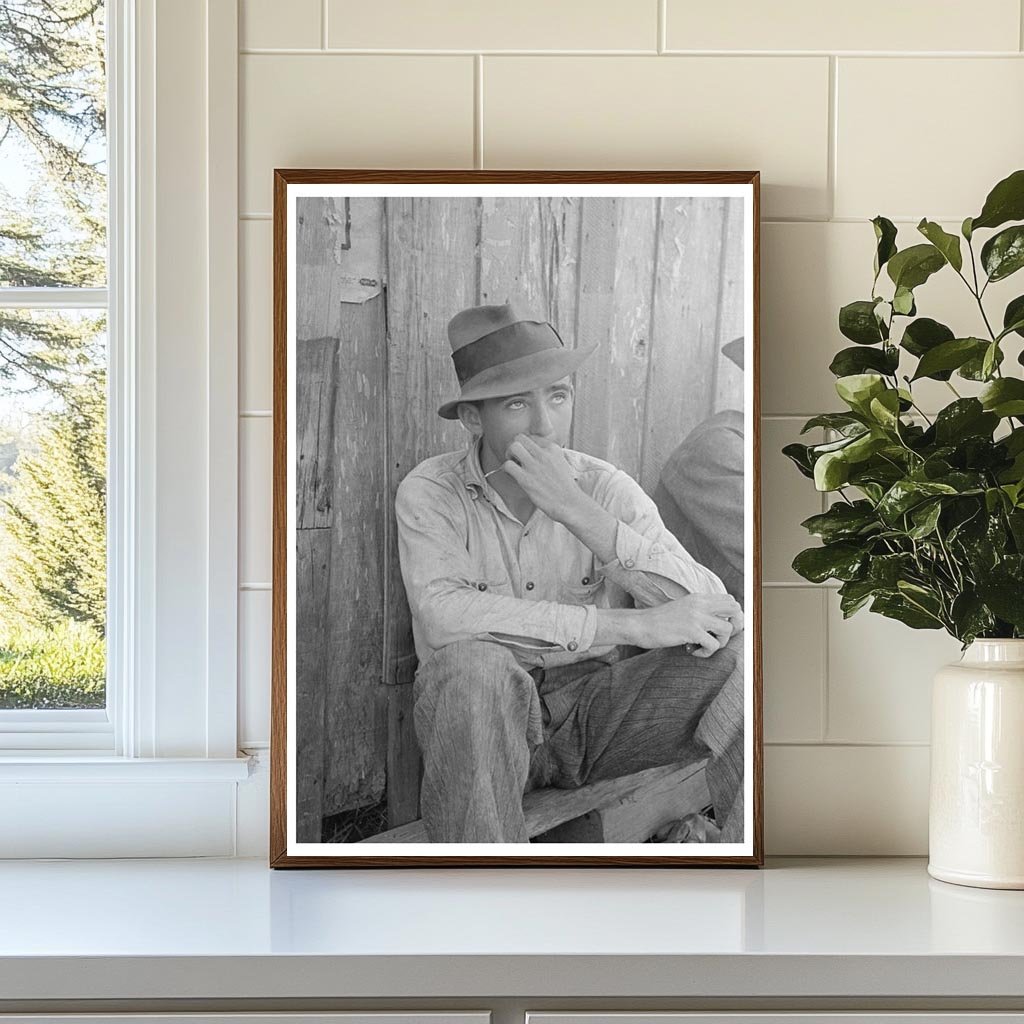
(53, 298)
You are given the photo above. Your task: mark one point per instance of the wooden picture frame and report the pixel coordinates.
(369, 265)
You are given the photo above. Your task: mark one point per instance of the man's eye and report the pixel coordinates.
(561, 396)
(516, 405)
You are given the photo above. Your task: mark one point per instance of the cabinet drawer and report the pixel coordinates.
(785, 1017)
(359, 1017)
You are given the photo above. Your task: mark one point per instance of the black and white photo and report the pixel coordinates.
(516, 565)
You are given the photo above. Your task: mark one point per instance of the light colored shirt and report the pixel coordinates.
(473, 571)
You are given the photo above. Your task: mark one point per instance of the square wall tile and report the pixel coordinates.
(494, 25)
(787, 499)
(254, 626)
(846, 801)
(808, 272)
(868, 25)
(255, 316)
(270, 24)
(962, 127)
(880, 677)
(330, 110)
(255, 509)
(793, 634)
(693, 113)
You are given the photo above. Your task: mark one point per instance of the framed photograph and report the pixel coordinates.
(516, 561)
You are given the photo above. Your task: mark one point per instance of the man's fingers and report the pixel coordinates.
(514, 470)
(517, 450)
(708, 646)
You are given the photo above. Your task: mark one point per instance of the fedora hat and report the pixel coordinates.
(503, 350)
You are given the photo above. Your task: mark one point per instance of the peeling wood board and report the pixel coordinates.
(356, 725)
(616, 272)
(404, 761)
(529, 253)
(314, 430)
(685, 335)
(313, 578)
(432, 273)
(340, 236)
(729, 382)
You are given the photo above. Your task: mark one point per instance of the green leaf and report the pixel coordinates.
(858, 389)
(1004, 397)
(970, 617)
(966, 417)
(965, 229)
(849, 361)
(887, 570)
(903, 302)
(885, 236)
(1005, 202)
(843, 521)
(923, 335)
(912, 267)
(947, 244)
(974, 368)
(857, 321)
(906, 494)
(925, 518)
(834, 420)
(840, 561)
(1006, 599)
(990, 360)
(1013, 318)
(831, 471)
(950, 355)
(1003, 254)
(854, 594)
(899, 608)
(799, 455)
(885, 409)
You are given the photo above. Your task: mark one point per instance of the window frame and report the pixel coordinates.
(171, 730)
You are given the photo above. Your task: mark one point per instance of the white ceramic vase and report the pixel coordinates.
(976, 817)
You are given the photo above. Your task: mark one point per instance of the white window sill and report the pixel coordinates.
(77, 766)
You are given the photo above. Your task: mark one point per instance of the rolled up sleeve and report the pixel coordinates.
(444, 597)
(650, 563)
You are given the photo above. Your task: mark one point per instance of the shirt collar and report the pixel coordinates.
(476, 482)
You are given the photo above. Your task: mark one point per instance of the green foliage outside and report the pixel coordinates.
(928, 522)
(52, 365)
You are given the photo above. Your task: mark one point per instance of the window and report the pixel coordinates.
(53, 371)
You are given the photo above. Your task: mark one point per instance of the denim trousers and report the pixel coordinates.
(491, 730)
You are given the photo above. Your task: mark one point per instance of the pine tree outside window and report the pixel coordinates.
(53, 367)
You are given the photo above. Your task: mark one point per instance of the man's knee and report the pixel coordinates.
(476, 673)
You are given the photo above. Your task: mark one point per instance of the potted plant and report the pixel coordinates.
(927, 521)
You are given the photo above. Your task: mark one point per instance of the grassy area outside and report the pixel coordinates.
(61, 667)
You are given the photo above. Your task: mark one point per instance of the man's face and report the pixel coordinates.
(545, 413)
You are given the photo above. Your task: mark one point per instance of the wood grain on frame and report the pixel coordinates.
(279, 766)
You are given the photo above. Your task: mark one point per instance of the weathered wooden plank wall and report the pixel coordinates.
(340, 342)
(656, 284)
(730, 379)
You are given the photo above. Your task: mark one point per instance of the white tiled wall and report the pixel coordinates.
(909, 110)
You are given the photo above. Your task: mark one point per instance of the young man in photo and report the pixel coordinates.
(564, 635)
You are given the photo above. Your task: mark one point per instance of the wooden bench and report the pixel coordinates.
(629, 809)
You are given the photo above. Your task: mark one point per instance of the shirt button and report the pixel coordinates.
(630, 563)
(586, 581)
(481, 586)
(529, 586)
(572, 645)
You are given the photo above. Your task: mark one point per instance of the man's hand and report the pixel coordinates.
(542, 471)
(706, 621)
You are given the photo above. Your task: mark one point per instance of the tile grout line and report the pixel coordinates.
(824, 714)
(323, 25)
(662, 29)
(336, 51)
(1020, 23)
(831, 171)
(478, 111)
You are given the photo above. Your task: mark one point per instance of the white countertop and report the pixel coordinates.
(234, 929)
